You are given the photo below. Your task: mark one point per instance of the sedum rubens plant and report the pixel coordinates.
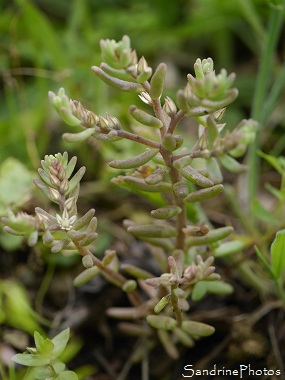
(181, 175)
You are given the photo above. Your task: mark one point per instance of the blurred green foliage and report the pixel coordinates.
(46, 44)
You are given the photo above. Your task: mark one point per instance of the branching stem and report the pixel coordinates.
(119, 278)
(175, 306)
(175, 120)
(138, 139)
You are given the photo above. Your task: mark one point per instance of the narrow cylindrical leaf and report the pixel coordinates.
(184, 338)
(153, 230)
(145, 118)
(217, 104)
(169, 142)
(161, 305)
(144, 76)
(117, 73)
(139, 184)
(194, 176)
(70, 166)
(88, 239)
(112, 136)
(136, 272)
(229, 247)
(74, 235)
(166, 212)
(33, 238)
(197, 328)
(68, 117)
(204, 194)
(167, 343)
(179, 257)
(60, 245)
(231, 164)
(45, 166)
(92, 226)
(110, 255)
(125, 58)
(84, 220)
(129, 312)
(182, 101)
(157, 81)
(211, 237)
(179, 293)
(157, 175)
(87, 261)
(182, 162)
(47, 238)
(134, 329)
(129, 286)
(214, 170)
(144, 71)
(78, 137)
(180, 189)
(117, 83)
(199, 290)
(134, 162)
(197, 111)
(86, 276)
(45, 177)
(161, 322)
(13, 232)
(212, 131)
(76, 179)
(166, 244)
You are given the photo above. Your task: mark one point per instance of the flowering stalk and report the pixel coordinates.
(167, 167)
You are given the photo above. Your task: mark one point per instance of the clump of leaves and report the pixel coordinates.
(180, 174)
(45, 356)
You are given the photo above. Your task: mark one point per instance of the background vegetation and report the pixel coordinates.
(47, 44)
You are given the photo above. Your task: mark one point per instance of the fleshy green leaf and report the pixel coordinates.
(39, 341)
(230, 247)
(199, 291)
(78, 137)
(43, 373)
(136, 161)
(66, 375)
(76, 179)
(31, 360)
(278, 254)
(213, 287)
(60, 342)
(47, 347)
(161, 322)
(197, 328)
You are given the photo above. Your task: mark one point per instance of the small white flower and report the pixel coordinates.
(65, 222)
(145, 97)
